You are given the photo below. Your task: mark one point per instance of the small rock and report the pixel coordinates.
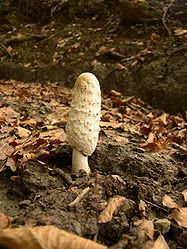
(163, 225)
(24, 203)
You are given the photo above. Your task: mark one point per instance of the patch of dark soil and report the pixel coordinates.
(90, 36)
(41, 194)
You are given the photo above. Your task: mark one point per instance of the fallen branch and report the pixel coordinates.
(179, 147)
(164, 16)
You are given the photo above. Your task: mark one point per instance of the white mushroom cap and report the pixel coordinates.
(82, 126)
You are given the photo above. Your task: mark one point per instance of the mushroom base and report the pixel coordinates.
(79, 162)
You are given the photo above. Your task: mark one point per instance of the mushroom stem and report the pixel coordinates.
(79, 162)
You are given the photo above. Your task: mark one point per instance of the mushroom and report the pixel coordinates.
(82, 126)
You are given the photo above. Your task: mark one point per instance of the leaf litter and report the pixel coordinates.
(178, 213)
(32, 124)
(38, 113)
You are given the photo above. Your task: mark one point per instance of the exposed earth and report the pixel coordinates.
(142, 151)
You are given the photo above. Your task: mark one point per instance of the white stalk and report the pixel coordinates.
(79, 162)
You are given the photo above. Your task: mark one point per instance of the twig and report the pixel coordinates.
(164, 16)
(157, 206)
(179, 147)
(16, 40)
(79, 198)
(6, 49)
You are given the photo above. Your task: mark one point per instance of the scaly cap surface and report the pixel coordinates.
(82, 126)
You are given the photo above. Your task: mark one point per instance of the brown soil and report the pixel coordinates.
(95, 38)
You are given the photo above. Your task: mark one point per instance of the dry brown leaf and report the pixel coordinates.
(163, 118)
(145, 230)
(150, 116)
(151, 138)
(180, 216)
(113, 125)
(169, 202)
(160, 243)
(31, 121)
(54, 134)
(11, 162)
(10, 114)
(114, 93)
(3, 156)
(184, 192)
(26, 157)
(142, 207)
(52, 118)
(146, 128)
(120, 139)
(48, 237)
(5, 150)
(149, 142)
(2, 118)
(53, 103)
(180, 31)
(112, 208)
(5, 221)
(22, 132)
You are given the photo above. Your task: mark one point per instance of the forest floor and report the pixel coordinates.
(140, 163)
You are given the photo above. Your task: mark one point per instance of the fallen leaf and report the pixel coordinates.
(142, 207)
(145, 229)
(184, 192)
(31, 121)
(5, 150)
(163, 118)
(10, 114)
(160, 243)
(113, 125)
(151, 138)
(156, 146)
(48, 237)
(180, 216)
(180, 31)
(58, 133)
(120, 139)
(150, 116)
(5, 221)
(146, 128)
(11, 162)
(3, 156)
(169, 202)
(114, 93)
(53, 103)
(2, 118)
(112, 208)
(22, 132)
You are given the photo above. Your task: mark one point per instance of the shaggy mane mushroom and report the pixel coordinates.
(82, 126)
